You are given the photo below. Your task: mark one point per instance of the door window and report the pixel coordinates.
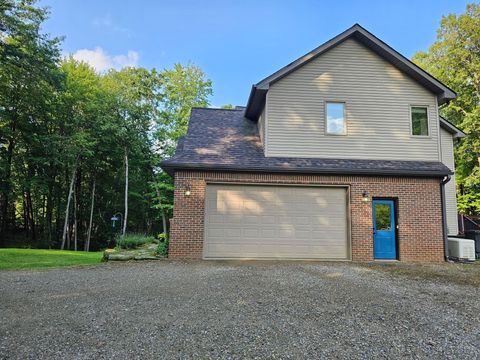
(383, 219)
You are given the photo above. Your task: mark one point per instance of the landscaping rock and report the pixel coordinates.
(119, 256)
(145, 257)
(145, 252)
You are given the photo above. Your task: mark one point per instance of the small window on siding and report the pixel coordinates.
(335, 114)
(419, 116)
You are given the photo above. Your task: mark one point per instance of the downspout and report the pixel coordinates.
(445, 180)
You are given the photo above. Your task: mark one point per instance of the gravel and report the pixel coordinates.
(168, 309)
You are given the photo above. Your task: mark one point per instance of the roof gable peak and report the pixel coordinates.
(257, 95)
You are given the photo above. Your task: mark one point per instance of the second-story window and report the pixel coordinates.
(335, 118)
(419, 118)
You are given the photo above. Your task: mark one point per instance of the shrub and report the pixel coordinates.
(162, 248)
(132, 241)
(162, 237)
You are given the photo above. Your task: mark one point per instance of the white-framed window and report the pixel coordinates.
(419, 120)
(335, 119)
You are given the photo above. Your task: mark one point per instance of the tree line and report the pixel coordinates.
(77, 146)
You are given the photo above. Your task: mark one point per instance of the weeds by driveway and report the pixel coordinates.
(235, 310)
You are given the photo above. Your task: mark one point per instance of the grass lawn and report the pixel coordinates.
(17, 259)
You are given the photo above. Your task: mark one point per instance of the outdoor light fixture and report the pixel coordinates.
(365, 197)
(115, 218)
(187, 190)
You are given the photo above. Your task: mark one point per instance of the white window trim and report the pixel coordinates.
(344, 117)
(411, 121)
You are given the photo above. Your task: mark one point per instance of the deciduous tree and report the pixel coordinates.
(454, 59)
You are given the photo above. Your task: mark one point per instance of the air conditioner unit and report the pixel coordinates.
(461, 248)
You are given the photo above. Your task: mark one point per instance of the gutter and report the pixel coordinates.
(445, 180)
(302, 170)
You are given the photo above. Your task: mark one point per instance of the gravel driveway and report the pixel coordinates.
(234, 310)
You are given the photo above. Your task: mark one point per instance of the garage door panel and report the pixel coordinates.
(301, 220)
(244, 221)
(215, 232)
(328, 220)
(285, 232)
(268, 233)
(218, 240)
(233, 232)
(251, 219)
(251, 233)
(302, 234)
(326, 234)
(268, 220)
(255, 251)
(216, 219)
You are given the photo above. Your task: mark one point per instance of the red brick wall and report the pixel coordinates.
(418, 203)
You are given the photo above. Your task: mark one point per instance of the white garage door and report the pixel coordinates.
(253, 221)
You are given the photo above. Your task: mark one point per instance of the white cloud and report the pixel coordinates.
(106, 22)
(103, 21)
(102, 61)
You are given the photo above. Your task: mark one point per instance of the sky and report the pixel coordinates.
(236, 43)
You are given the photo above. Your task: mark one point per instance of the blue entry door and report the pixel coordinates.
(384, 243)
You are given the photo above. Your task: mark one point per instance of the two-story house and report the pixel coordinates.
(340, 155)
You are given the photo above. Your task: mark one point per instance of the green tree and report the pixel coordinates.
(182, 88)
(79, 119)
(454, 59)
(29, 82)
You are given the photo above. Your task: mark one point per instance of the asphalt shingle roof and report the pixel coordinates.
(220, 139)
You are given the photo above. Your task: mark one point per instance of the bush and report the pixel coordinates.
(162, 248)
(132, 241)
(162, 237)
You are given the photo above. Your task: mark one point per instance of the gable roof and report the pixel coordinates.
(259, 90)
(220, 139)
(452, 129)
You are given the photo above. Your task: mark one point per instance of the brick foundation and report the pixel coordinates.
(418, 203)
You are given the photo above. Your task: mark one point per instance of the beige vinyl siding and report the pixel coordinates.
(259, 221)
(446, 140)
(377, 97)
(261, 126)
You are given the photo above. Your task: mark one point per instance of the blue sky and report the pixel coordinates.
(236, 43)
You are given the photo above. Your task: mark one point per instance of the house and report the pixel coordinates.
(340, 155)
